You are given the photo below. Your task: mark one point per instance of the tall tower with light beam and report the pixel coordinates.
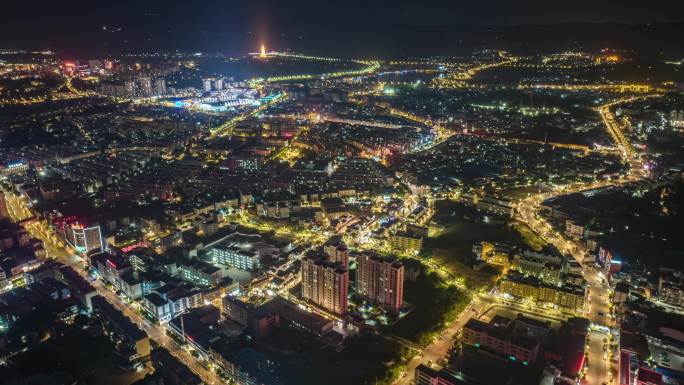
(262, 54)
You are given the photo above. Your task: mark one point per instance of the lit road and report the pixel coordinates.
(52, 95)
(632, 87)
(370, 66)
(75, 91)
(598, 291)
(438, 349)
(598, 306)
(18, 211)
(597, 368)
(458, 79)
(636, 166)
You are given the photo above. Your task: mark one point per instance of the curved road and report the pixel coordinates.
(526, 212)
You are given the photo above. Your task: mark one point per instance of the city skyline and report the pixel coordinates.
(363, 193)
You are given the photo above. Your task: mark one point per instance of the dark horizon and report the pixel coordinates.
(382, 41)
(79, 28)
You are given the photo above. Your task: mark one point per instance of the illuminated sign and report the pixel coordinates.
(128, 248)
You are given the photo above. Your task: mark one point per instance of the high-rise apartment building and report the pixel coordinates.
(160, 86)
(336, 250)
(145, 83)
(325, 283)
(380, 280)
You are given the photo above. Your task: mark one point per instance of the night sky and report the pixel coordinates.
(237, 25)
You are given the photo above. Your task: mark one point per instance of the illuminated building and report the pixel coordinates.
(607, 59)
(334, 208)
(150, 226)
(11, 168)
(200, 273)
(209, 227)
(160, 308)
(500, 336)
(262, 53)
(166, 240)
(419, 214)
(493, 205)
(86, 240)
(69, 68)
(677, 119)
(671, 288)
(231, 255)
(336, 250)
(130, 88)
(160, 86)
(325, 283)
(3, 206)
(131, 287)
(170, 300)
(111, 268)
(545, 267)
(380, 280)
(428, 376)
(145, 83)
(569, 298)
(419, 231)
(404, 241)
(238, 162)
(495, 253)
(3, 280)
(231, 95)
(629, 358)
